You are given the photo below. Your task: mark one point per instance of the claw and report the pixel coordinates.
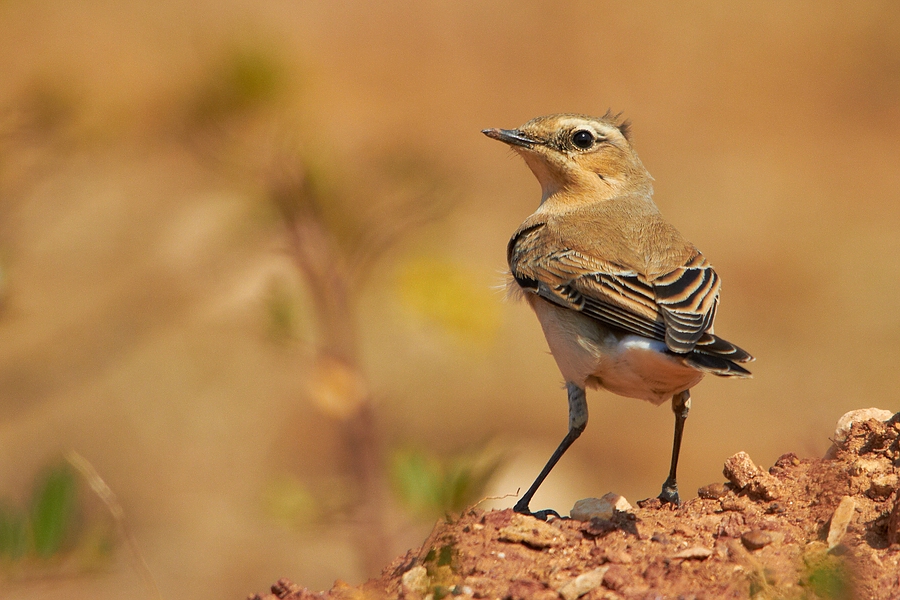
(669, 493)
(543, 514)
(540, 514)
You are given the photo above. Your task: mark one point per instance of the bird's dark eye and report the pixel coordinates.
(583, 139)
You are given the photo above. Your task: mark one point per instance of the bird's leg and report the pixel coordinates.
(578, 416)
(681, 406)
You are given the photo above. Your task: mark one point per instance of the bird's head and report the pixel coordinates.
(584, 156)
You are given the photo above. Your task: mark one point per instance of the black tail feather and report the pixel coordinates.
(714, 355)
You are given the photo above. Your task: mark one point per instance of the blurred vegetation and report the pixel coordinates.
(284, 312)
(40, 110)
(300, 503)
(241, 80)
(446, 294)
(53, 533)
(441, 569)
(827, 576)
(341, 228)
(823, 576)
(52, 510)
(431, 486)
(38, 131)
(336, 234)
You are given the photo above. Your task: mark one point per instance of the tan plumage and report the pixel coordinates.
(626, 303)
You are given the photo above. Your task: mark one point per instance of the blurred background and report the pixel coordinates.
(252, 322)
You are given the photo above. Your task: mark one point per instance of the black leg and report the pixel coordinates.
(681, 406)
(578, 416)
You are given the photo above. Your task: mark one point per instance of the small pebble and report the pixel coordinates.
(733, 504)
(616, 578)
(756, 539)
(767, 486)
(775, 509)
(883, 486)
(695, 552)
(415, 581)
(788, 460)
(653, 503)
(869, 466)
(840, 520)
(599, 508)
(746, 476)
(740, 470)
(583, 584)
(713, 491)
(856, 416)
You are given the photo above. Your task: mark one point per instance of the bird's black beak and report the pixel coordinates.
(513, 137)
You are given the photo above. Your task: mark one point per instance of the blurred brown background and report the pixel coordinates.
(155, 320)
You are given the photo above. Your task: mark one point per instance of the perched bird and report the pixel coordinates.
(626, 303)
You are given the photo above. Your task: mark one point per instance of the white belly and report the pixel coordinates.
(590, 355)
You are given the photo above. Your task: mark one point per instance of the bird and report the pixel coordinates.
(625, 302)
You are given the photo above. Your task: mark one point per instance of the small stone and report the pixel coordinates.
(882, 486)
(775, 509)
(840, 520)
(616, 578)
(788, 460)
(767, 486)
(740, 470)
(415, 581)
(583, 584)
(733, 504)
(531, 532)
(856, 416)
(599, 508)
(694, 552)
(747, 477)
(868, 466)
(713, 491)
(756, 539)
(652, 503)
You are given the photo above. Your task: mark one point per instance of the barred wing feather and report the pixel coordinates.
(678, 307)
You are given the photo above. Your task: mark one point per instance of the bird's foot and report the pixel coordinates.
(669, 493)
(522, 509)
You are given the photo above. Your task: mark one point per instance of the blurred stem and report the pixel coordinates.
(323, 266)
(108, 497)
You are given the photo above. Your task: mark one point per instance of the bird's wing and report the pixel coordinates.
(687, 298)
(677, 307)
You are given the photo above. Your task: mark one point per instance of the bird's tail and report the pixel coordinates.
(720, 357)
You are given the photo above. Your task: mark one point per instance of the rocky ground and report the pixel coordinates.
(822, 528)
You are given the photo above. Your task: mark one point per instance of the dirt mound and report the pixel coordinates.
(826, 528)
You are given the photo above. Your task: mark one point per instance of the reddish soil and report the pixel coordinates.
(825, 528)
